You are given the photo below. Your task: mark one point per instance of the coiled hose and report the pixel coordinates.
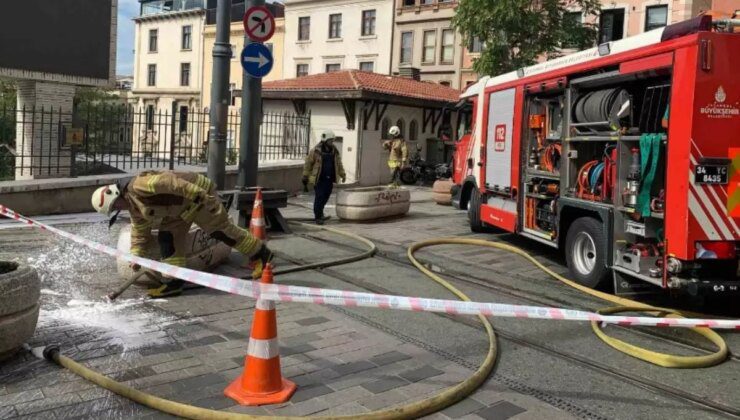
(417, 409)
(625, 305)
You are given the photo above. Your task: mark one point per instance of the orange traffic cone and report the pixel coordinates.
(257, 223)
(262, 382)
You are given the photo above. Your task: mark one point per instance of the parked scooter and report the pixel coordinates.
(418, 170)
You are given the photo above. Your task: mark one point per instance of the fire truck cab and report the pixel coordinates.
(626, 156)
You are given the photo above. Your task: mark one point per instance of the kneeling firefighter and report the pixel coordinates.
(172, 202)
(323, 167)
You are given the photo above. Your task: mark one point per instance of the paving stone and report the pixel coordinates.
(236, 335)
(198, 382)
(67, 387)
(466, 406)
(384, 384)
(383, 400)
(176, 365)
(351, 408)
(87, 409)
(242, 409)
(303, 408)
(204, 341)
(312, 321)
(301, 339)
(46, 403)
(297, 349)
(218, 402)
(354, 367)
(421, 373)
(7, 412)
(500, 411)
(388, 358)
(21, 397)
(135, 373)
(308, 392)
(165, 348)
(354, 393)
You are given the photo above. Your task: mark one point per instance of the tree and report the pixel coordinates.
(516, 33)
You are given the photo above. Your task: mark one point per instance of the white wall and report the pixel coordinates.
(350, 49)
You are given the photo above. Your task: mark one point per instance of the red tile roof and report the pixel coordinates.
(352, 80)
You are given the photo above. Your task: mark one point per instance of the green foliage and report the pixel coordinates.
(516, 33)
(232, 156)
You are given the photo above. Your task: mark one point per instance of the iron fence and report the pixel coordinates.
(99, 139)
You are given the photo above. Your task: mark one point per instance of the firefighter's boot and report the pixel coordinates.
(172, 288)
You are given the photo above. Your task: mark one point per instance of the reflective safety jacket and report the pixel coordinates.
(157, 196)
(399, 152)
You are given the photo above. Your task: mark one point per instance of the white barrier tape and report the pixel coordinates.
(286, 293)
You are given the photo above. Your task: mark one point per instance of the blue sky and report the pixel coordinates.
(127, 10)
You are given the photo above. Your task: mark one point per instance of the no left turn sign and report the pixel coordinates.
(259, 24)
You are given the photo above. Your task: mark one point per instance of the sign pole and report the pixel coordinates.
(219, 96)
(251, 117)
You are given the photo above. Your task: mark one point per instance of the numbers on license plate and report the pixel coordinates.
(709, 174)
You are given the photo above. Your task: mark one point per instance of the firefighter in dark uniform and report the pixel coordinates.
(323, 168)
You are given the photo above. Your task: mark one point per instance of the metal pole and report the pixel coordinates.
(251, 118)
(219, 95)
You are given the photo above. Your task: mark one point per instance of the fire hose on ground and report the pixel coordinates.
(450, 395)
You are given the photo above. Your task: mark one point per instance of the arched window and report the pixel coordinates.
(384, 127)
(401, 125)
(413, 130)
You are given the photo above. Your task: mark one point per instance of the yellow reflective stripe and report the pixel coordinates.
(135, 250)
(142, 228)
(150, 183)
(176, 261)
(248, 245)
(203, 182)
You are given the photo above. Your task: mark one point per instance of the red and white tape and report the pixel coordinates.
(287, 293)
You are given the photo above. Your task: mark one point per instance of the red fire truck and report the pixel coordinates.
(626, 156)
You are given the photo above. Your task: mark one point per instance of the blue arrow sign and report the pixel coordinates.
(257, 60)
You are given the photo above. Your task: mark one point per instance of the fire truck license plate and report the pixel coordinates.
(710, 174)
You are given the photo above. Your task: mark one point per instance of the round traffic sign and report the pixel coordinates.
(257, 60)
(259, 24)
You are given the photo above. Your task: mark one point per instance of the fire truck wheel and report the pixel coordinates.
(585, 253)
(474, 212)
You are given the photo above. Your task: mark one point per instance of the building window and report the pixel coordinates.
(187, 37)
(151, 76)
(430, 44)
(571, 20)
(401, 124)
(367, 66)
(445, 83)
(413, 130)
(407, 44)
(153, 35)
(330, 68)
(427, 1)
(149, 117)
(368, 22)
(656, 17)
(304, 28)
(611, 25)
(301, 70)
(448, 46)
(183, 119)
(335, 26)
(185, 74)
(384, 127)
(409, 3)
(476, 46)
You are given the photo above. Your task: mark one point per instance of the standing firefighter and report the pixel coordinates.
(323, 168)
(172, 202)
(399, 154)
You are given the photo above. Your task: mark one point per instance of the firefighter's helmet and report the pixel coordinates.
(104, 197)
(394, 132)
(327, 135)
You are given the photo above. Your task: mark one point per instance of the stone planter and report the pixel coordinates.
(20, 288)
(442, 192)
(372, 203)
(203, 252)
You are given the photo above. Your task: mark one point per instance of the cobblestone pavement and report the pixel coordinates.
(190, 347)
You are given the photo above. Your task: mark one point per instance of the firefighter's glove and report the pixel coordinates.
(259, 260)
(134, 266)
(304, 180)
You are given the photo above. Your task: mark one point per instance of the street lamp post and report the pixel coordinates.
(219, 95)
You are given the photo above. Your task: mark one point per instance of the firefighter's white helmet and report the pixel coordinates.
(394, 132)
(327, 135)
(104, 197)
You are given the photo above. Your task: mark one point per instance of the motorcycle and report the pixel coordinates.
(419, 170)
